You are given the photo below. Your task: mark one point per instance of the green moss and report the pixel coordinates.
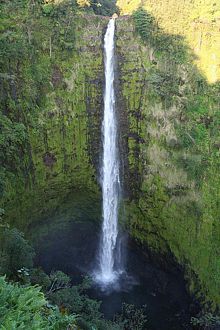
(59, 99)
(172, 183)
(197, 21)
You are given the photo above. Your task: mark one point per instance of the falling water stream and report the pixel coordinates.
(107, 272)
(67, 240)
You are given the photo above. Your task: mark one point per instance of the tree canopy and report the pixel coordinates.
(99, 7)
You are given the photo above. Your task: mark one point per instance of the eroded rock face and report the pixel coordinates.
(64, 135)
(168, 188)
(166, 198)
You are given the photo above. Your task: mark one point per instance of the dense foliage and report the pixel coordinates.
(184, 133)
(104, 7)
(37, 37)
(15, 252)
(34, 36)
(197, 21)
(41, 301)
(25, 307)
(25, 74)
(206, 321)
(99, 7)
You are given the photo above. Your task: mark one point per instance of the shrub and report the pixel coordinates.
(26, 308)
(15, 252)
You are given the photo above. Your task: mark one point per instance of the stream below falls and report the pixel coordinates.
(68, 241)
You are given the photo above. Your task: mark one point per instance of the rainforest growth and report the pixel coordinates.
(167, 100)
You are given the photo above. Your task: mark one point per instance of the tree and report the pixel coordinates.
(59, 280)
(104, 7)
(15, 252)
(83, 3)
(132, 318)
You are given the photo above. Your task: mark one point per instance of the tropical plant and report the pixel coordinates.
(206, 321)
(15, 252)
(25, 307)
(132, 318)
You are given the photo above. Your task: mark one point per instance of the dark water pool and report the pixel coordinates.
(68, 241)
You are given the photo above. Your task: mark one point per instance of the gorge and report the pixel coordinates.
(165, 156)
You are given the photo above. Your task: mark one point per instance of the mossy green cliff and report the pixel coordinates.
(51, 99)
(198, 21)
(171, 153)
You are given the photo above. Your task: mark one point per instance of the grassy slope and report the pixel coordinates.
(198, 21)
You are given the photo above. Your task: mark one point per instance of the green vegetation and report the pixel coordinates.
(41, 301)
(48, 91)
(15, 252)
(25, 307)
(51, 72)
(206, 321)
(99, 7)
(21, 304)
(12, 137)
(173, 151)
(132, 318)
(197, 21)
(104, 7)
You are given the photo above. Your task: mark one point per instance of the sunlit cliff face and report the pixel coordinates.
(198, 21)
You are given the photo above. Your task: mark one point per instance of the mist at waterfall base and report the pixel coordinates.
(68, 241)
(110, 265)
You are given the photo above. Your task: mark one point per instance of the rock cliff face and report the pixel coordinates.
(169, 153)
(169, 136)
(63, 132)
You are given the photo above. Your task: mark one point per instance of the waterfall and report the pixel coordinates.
(107, 272)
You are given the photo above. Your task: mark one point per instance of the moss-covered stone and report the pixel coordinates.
(63, 126)
(168, 162)
(51, 99)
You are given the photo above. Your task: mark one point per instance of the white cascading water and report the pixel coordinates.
(110, 169)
